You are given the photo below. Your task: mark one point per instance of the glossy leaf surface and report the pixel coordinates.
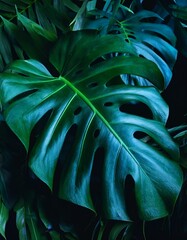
(88, 123)
(154, 41)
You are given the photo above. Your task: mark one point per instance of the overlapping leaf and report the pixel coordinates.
(41, 19)
(154, 41)
(45, 13)
(88, 126)
(28, 223)
(180, 14)
(4, 214)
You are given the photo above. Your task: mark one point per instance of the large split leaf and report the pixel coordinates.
(150, 37)
(152, 40)
(88, 137)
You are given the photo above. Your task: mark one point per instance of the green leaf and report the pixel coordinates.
(21, 224)
(36, 29)
(115, 231)
(179, 11)
(88, 123)
(24, 45)
(5, 48)
(4, 214)
(153, 41)
(28, 223)
(71, 5)
(67, 54)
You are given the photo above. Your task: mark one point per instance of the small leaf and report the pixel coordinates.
(4, 214)
(28, 223)
(35, 29)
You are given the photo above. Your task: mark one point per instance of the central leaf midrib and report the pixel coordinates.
(88, 102)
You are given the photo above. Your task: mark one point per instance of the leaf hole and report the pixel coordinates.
(39, 127)
(63, 163)
(141, 136)
(96, 133)
(114, 82)
(97, 61)
(126, 40)
(23, 95)
(96, 178)
(131, 36)
(93, 85)
(77, 111)
(130, 197)
(140, 55)
(108, 104)
(136, 108)
(155, 50)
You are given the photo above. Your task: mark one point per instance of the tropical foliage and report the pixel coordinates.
(84, 148)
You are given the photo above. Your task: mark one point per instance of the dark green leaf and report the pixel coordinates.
(28, 223)
(179, 11)
(4, 214)
(151, 41)
(94, 112)
(35, 29)
(22, 39)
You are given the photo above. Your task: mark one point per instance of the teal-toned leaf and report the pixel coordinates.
(151, 40)
(94, 47)
(28, 224)
(21, 225)
(115, 231)
(94, 111)
(88, 126)
(4, 215)
(91, 5)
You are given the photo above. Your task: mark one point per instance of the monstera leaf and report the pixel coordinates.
(144, 30)
(152, 40)
(89, 146)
